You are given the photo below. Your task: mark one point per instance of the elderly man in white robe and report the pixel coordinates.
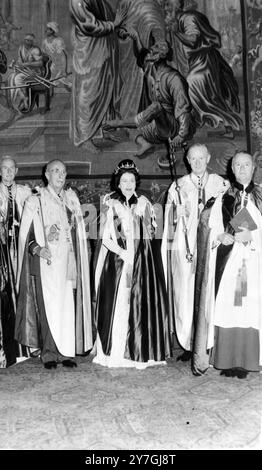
(54, 307)
(185, 202)
(229, 278)
(12, 199)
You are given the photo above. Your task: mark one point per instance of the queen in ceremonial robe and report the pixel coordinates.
(131, 309)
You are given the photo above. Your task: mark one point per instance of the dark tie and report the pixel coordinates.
(12, 214)
(10, 194)
(201, 195)
(10, 211)
(199, 185)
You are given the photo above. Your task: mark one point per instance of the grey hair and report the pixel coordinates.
(242, 152)
(198, 146)
(7, 157)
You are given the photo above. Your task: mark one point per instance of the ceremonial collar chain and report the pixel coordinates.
(199, 181)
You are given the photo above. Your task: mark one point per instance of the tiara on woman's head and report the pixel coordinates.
(126, 165)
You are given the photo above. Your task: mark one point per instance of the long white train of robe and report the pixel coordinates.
(57, 289)
(249, 315)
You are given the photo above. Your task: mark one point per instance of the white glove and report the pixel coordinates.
(126, 256)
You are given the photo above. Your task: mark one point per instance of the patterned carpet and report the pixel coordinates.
(160, 408)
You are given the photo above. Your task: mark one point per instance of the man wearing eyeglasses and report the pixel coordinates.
(54, 308)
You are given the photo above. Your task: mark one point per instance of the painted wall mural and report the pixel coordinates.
(92, 82)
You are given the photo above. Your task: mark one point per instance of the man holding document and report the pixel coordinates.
(228, 291)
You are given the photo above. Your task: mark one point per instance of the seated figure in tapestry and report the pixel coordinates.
(29, 67)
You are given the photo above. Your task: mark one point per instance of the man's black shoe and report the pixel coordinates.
(50, 365)
(35, 353)
(186, 356)
(228, 372)
(69, 363)
(241, 373)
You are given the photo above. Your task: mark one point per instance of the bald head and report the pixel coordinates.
(52, 163)
(56, 175)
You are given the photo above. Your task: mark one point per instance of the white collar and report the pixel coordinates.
(4, 188)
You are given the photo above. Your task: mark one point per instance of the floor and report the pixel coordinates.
(160, 408)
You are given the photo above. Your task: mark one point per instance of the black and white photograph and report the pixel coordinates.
(130, 228)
